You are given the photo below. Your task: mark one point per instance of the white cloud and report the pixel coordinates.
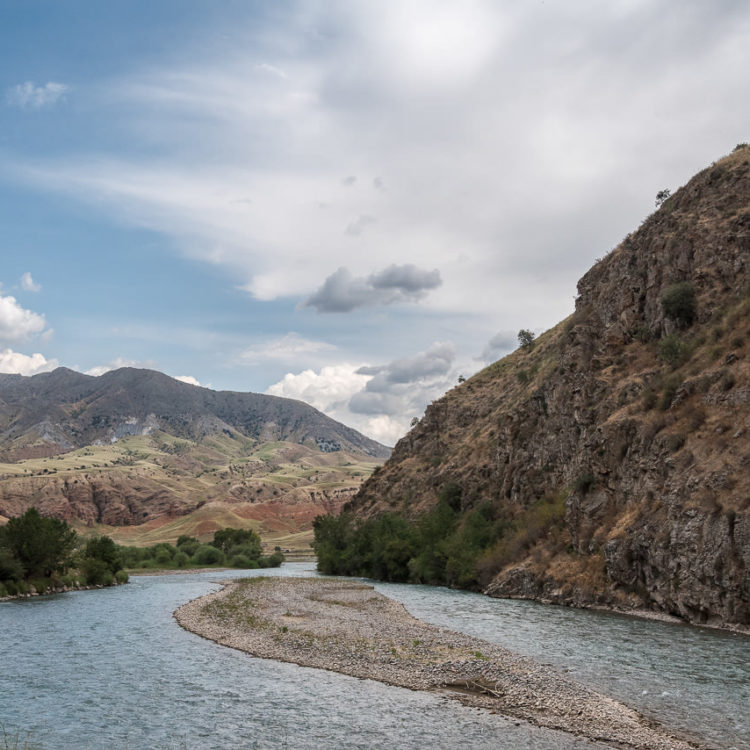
(28, 284)
(328, 390)
(30, 96)
(288, 348)
(189, 379)
(17, 323)
(499, 130)
(114, 364)
(380, 400)
(24, 364)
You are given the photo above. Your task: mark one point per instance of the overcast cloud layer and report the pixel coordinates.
(378, 194)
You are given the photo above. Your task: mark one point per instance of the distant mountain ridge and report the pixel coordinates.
(55, 412)
(144, 456)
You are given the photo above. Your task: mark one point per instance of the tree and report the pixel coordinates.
(662, 196)
(41, 545)
(526, 339)
(680, 304)
(104, 549)
(225, 539)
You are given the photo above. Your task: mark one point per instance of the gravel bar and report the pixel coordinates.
(347, 627)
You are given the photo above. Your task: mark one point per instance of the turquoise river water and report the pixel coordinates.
(112, 669)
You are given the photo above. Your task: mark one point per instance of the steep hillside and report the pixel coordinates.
(632, 418)
(58, 411)
(136, 447)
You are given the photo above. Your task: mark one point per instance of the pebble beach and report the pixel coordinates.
(347, 627)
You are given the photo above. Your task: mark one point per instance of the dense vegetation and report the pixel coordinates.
(237, 548)
(44, 554)
(445, 546)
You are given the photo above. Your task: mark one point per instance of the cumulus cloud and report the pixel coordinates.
(114, 364)
(288, 348)
(189, 379)
(28, 284)
(343, 292)
(30, 96)
(378, 400)
(328, 389)
(499, 345)
(17, 323)
(23, 364)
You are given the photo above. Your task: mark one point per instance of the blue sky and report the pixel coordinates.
(350, 203)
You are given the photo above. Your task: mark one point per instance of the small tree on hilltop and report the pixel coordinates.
(662, 196)
(526, 339)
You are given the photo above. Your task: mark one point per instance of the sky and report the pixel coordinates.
(351, 202)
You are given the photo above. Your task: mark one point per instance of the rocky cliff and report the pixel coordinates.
(633, 415)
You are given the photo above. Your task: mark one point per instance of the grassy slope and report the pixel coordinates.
(264, 486)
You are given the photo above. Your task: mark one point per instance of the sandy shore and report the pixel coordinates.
(348, 627)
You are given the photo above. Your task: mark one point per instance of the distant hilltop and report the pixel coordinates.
(136, 448)
(62, 410)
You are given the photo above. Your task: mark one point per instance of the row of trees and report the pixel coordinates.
(237, 548)
(445, 546)
(45, 553)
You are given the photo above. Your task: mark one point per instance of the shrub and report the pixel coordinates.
(240, 561)
(674, 351)
(10, 568)
(181, 559)
(584, 483)
(207, 554)
(671, 384)
(188, 544)
(104, 549)
(679, 303)
(121, 576)
(95, 571)
(162, 557)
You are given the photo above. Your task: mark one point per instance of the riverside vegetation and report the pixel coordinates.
(40, 554)
(443, 547)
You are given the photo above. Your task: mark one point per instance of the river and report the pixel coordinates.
(111, 669)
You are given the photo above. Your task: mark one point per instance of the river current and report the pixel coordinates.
(112, 669)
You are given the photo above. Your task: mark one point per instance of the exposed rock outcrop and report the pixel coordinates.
(635, 412)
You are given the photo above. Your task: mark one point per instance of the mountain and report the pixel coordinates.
(612, 455)
(132, 446)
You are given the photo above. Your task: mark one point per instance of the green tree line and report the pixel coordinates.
(46, 554)
(236, 548)
(445, 546)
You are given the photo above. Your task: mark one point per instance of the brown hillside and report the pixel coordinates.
(633, 414)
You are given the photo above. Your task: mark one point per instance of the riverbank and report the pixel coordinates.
(347, 627)
(59, 590)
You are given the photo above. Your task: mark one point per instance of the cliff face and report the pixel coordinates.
(635, 411)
